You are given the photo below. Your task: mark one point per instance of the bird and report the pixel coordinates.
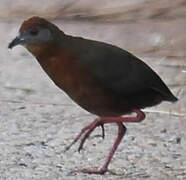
(103, 79)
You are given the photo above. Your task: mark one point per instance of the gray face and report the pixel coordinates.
(35, 36)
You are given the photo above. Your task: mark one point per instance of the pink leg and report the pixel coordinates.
(103, 120)
(121, 131)
(83, 131)
(140, 117)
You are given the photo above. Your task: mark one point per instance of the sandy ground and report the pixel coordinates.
(37, 120)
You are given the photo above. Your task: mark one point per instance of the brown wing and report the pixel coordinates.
(122, 72)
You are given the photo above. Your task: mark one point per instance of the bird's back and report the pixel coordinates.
(120, 71)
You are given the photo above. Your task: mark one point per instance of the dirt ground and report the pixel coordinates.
(37, 120)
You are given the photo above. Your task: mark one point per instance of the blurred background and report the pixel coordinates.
(155, 31)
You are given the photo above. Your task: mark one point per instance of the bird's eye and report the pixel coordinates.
(34, 32)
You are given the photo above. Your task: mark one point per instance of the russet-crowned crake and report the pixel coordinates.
(102, 78)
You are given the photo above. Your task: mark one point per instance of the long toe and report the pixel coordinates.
(91, 171)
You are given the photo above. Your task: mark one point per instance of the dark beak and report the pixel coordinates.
(15, 42)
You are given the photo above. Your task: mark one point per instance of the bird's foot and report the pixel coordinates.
(87, 131)
(94, 171)
(91, 128)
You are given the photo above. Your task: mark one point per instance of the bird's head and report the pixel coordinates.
(36, 32)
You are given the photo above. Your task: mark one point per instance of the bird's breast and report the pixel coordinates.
(76, 80)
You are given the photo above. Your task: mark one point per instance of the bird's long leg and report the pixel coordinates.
(90, 126)
(103, 120)
(121, 131)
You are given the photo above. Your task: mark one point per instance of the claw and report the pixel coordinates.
(94, 171)
(87, 131)
(87, 134)
(103, 131)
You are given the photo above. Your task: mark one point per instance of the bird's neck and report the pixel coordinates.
(42, 51)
